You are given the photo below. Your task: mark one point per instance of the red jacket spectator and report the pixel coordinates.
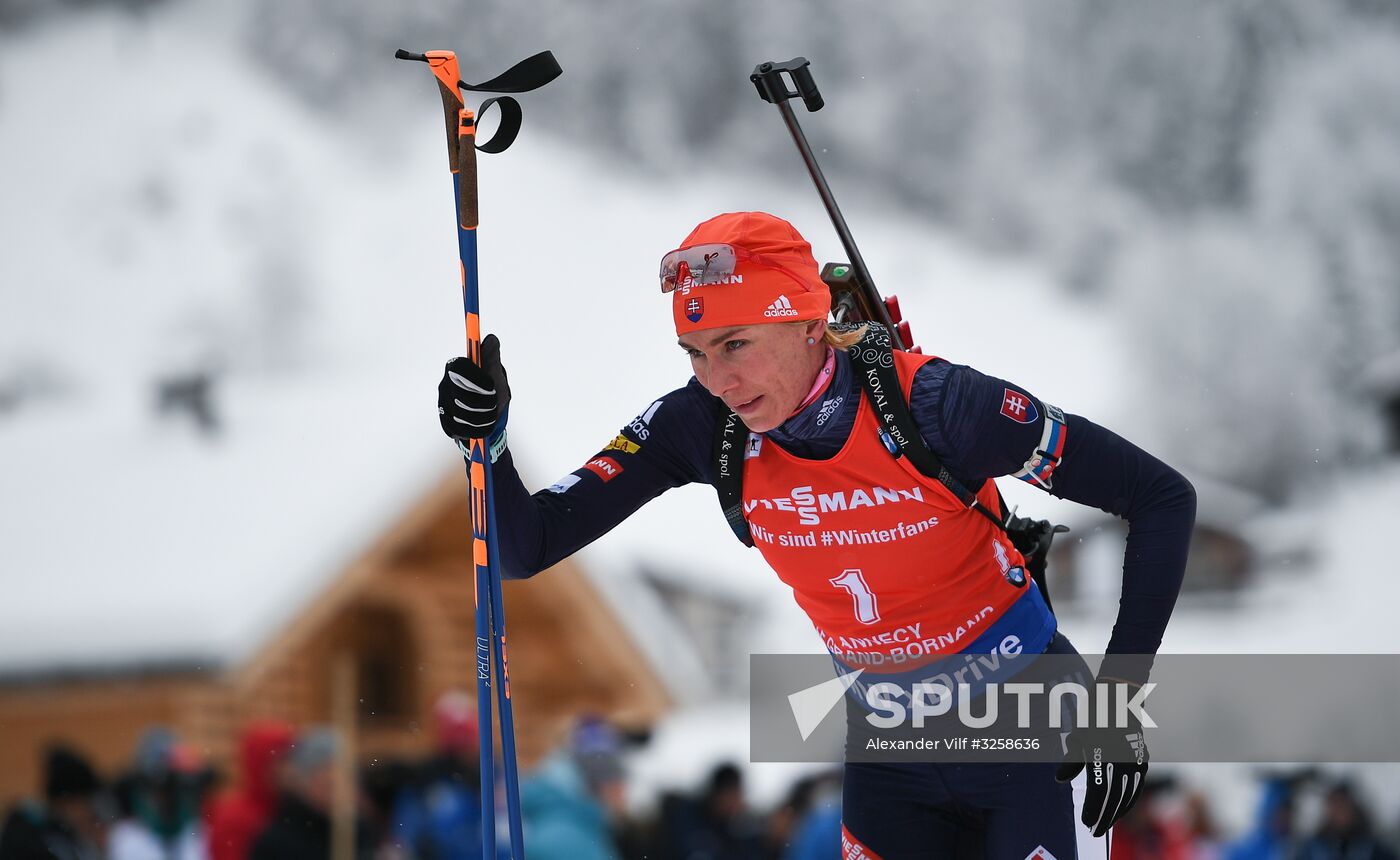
(237, 817)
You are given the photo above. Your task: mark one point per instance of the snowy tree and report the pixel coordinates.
(1231, 338)
(1328, 166)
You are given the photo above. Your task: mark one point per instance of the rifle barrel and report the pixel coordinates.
(838, 220)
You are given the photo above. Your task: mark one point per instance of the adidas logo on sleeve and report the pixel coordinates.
(781, 307)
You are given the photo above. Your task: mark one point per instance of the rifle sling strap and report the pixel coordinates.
(873, 361)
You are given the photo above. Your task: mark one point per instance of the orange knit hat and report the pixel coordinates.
(775, 279)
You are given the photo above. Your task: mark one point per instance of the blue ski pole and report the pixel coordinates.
(503, 703)
(527, 75)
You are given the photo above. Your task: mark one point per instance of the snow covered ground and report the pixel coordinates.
(193, 214)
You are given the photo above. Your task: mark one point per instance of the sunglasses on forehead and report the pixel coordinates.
(714, 263)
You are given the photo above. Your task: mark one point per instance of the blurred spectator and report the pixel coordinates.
(782, 823)
(1148, 832)
(1201, 831)
(301, 824)
(66, 826)
(571, 802)
(382, 783)
(1272, 837)
(162, 796)
(1345, 832)
(814, 805)
(237, 817)
(438, 816)
(717, 825)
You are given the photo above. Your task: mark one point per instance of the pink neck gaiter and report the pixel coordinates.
(822, 381)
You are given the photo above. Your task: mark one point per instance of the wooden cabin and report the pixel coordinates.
(402, 615)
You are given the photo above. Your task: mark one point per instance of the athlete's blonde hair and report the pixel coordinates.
(842, 340)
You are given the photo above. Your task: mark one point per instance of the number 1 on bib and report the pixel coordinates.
(854, 581)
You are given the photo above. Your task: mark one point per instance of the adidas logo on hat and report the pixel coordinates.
(781, 307)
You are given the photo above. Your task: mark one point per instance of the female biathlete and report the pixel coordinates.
(751, 313)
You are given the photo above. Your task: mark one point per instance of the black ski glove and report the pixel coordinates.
(472, 398)
(1116, 759)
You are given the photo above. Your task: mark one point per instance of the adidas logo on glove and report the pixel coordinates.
(781, 307)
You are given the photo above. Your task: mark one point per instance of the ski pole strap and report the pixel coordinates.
(873, 357)
(529, 74)
(730, 443)
(511, 116)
